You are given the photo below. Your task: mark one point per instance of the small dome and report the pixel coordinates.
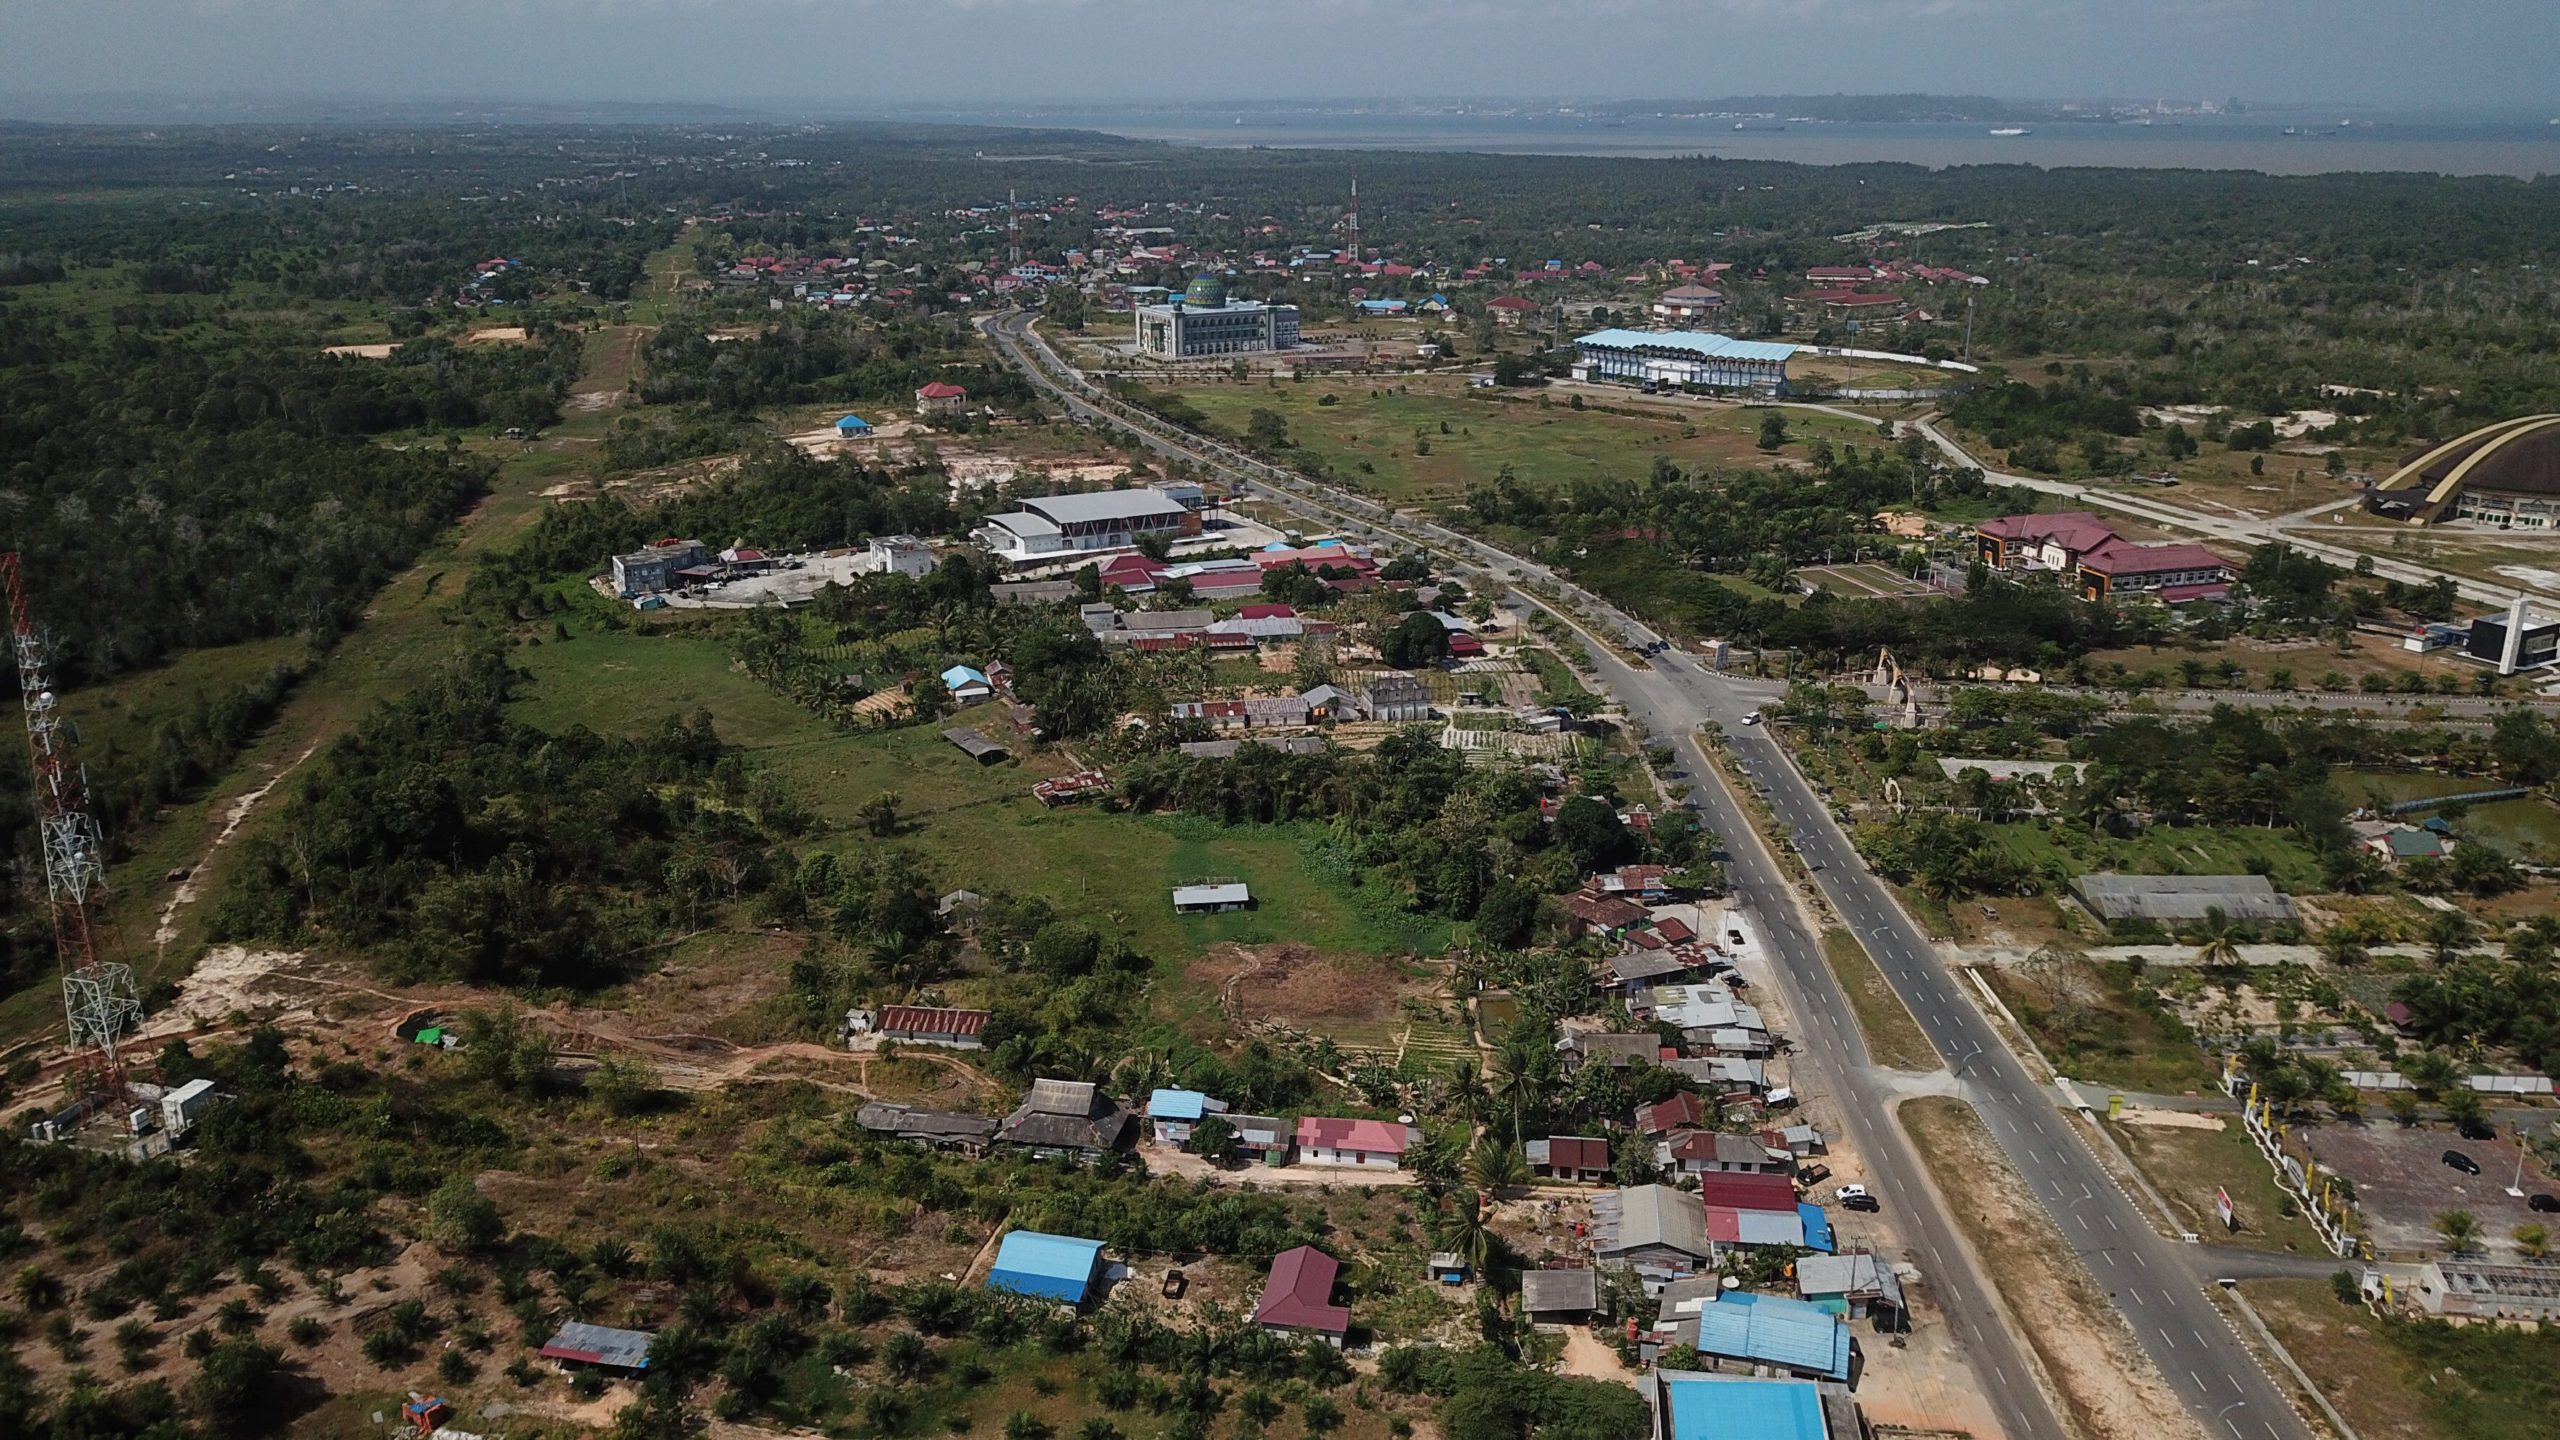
(1206, 291)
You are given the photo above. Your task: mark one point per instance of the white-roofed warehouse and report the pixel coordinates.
(1683, 357)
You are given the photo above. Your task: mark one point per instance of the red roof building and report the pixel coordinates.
(1326, 1139)
(1674, 930)
(1742, 1190)
(2040, 542)
(2122, 567)
(1268, 612)
(1683, 1111)
(1299, 1295)
(931, 1025)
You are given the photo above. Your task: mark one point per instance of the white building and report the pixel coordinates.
(1682, 357)
(900, 555)
(1057, 527)
(1205, 322)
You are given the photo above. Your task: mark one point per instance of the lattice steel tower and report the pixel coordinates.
(98, 995)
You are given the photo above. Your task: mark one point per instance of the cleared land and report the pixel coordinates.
(1395, 430)
(2407, 1380)
(2186, 1162)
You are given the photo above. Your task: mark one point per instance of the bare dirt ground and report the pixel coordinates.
(496, 335)
(2105, 1386)
(185, 895)
(361, 352)
(1165, 1160)
(1587, 1356)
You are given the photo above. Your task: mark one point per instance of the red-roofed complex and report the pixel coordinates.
(1298, 1296)
(2100, 563)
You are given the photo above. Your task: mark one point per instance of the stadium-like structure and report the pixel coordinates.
(2506, 476)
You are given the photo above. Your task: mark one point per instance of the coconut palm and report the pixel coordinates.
(2217, 939)
(1494, 1166)
(1467, 1093)
(2460, 1229)
(2534, 1241)
(2449, 933)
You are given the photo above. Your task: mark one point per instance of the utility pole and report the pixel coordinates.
(98, 996)
(1356, 256)
(1968, 329)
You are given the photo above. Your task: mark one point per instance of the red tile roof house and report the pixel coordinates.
(2040, 542)
(1354, 1144)
(1683, 1111)
(2176, 572)
(940, 398)
(1298, 1297)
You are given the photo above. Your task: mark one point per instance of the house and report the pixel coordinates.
(940, 398)
(2177, 574)
(1712, 1152)
(1594, 913)
(1396, 697)
(968, 685)
(899, 555)
(1686, 305)
(1751, 1332)
(974, 743)
(1614, 1050)
(1331, 702)
(1760, 1191)
(1560, 1297)
(852, 427)
(1684, 1111)
(1212, 898)
(2400, 844)
(1692, 1405)
(2015, 543)
(652, 569)
(1049, 1267)
(1446, 1268)
(932, 1129)
(600, 1346)
(1654, 1226)
(1354, 1144)
(1637, 971)
(1641, 882)
(1509, 311)
(1797, 1140)
(1066, 1118)
(1579, 1158)
(1859, 1285)
(1263, 1139)
(920, 1025)
(1297, 1297)
(1175, 1113)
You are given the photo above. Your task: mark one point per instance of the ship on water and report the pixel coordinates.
(2012, 130)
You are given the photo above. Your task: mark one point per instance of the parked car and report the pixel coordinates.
(2547, 1204)
(1811, 1175)
(1865, 1203)
(2475, 1128)
(1751, 719)
(2456, 1160)
(1850, 1192)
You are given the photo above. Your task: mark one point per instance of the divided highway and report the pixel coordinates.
(2159, 1285)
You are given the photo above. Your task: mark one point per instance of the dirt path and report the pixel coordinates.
(185, 895)
(1166, 1160)
(1586, 1356)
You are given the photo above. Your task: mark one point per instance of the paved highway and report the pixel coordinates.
(2158, 1284)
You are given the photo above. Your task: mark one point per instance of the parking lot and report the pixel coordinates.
(2402, 1184)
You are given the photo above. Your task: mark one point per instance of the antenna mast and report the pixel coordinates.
(98, 995)
(1012, 228)
(1356, 256)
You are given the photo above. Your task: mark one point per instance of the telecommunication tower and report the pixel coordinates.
(1012, 228)
(98, 995)
(1354, 216)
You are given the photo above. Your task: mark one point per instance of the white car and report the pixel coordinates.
(1850, 1192)
(1751, 719)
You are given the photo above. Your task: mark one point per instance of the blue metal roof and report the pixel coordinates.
(1700, 343)
(1738, 1407)
(1175, 1105)
(1817, 1227)
(1775, 1330)
(1059, 1267)
(853, 422)
(959, 675)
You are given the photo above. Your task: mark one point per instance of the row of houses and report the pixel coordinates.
(1393, 697)
(1075, 1120)
(1251, 627)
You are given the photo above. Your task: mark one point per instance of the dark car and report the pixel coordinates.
(2475, 1128)
(2547, 1204)
(2456, 1160)
(1861, 1202)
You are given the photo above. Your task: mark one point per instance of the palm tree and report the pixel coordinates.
(2218, 939)
(1467, 1094)
(1463, 1233)
(2460, 1229)
(1494, 1167)
(2341, 949)
(2534, 1240)
(2448, 934)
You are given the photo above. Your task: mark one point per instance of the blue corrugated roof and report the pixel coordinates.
(1817, 1227)
(1696, 342)
(959, 675)
(853, 422)
(1775, 1330)
(1175, 1104)
(1736, 1407)
(1057, 1266)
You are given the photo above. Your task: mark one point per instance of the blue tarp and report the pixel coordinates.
(1817, 1227)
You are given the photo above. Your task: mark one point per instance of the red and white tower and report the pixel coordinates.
(98, 995)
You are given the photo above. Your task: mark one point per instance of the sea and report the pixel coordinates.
(2280, 143)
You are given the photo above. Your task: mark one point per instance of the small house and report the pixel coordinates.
(1652, 1225)
(1049, 1267)
(931, 1129)
(1560, 1297)
(974, 743)
(1354, 1144)
(1683, 1111)
(1446, 1268)
(1069, 1118)
(1859, 1285)
(1581, 1159)
(1176, 1113)
(1396, 697)
(1713, 1152)
(1212, 899)
(1297, 1298)
(940, 398)
(900, 555)
(968, 685)
(1263, 1139)
(852, 427)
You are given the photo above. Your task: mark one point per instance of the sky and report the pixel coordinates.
(873, 55)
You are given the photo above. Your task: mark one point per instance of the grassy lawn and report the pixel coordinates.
(124, 715)
(2525, 827)
(2059, 852)
(2187, 1164)
(1893, 1037)
(1556, 445)
(2415, 1380)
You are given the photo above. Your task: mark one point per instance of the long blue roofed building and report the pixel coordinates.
(1682, 358)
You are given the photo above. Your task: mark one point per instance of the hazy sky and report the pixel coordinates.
(862, 53)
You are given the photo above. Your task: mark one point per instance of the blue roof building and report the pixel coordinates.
(963, 677)
(852, 425)
(1776, 1331)
(1052, 1267)
(1739, 1407)
(1817, 1227)
(1176, 1105)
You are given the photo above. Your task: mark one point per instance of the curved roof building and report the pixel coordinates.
(2505, 475)
(1206, 291)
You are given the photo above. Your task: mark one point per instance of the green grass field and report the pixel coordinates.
(1552, 446)
(2164, 850)
(978, 826)
(2527, 828)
